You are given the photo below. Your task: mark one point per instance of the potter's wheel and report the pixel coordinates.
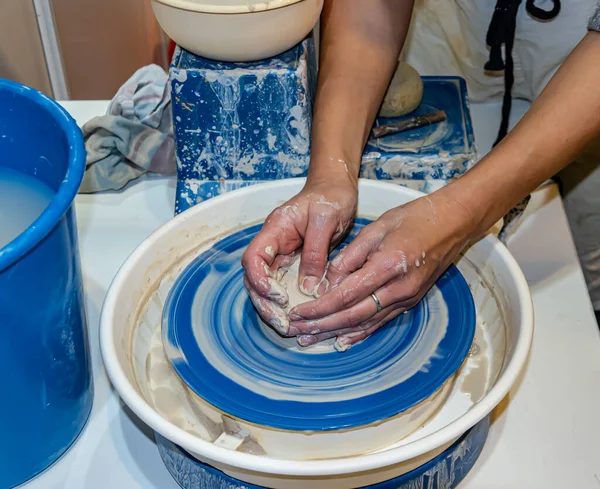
(135, 359)
(221, 349)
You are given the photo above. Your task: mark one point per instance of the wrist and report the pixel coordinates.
(333, 167)
(469, 218)
(489, 190)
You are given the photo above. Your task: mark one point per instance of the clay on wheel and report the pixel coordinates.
(404, 94)
(288, 277)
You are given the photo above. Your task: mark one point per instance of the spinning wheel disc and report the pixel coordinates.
(217, 343)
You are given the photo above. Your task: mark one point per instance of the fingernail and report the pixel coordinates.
(341, 345)
(293, 331)
(306, 340)
(322, 288)
(308, 285)
(294, 316)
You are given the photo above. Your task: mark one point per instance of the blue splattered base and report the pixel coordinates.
(241, 121)
(445, 471)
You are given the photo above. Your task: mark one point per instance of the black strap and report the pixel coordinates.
(502, 31)
(541, 14)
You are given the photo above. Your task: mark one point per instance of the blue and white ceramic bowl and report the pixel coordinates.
(138, 367)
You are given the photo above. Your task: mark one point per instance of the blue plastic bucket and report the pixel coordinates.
(46, 389)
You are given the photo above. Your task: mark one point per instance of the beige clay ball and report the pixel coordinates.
(404, 93)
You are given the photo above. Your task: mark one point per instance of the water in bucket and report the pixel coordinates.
(22, 200)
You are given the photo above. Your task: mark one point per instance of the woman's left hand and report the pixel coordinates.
(397, 258)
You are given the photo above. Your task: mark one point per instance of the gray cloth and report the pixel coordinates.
(135, 136)
(512, 219)
(594, 24)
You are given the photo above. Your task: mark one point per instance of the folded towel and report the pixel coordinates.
(134, 137)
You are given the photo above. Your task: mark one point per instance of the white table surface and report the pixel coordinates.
(546, 434)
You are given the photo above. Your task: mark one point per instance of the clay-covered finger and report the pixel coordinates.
(347, 318)
(284, 260)
(315, 252)
(346, 340)
(271, 242)
(313, 339)
(403, 290)
(355, 334)
(257, 260)
(269, 311)
(349, 292)
(353, 256)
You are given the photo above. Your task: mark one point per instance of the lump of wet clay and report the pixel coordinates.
(288, 277)
(404, 94)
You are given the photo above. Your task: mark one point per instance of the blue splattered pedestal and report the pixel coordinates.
(245, 123)
(445, 471)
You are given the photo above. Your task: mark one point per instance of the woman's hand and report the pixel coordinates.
(312, 223)
(397, 258)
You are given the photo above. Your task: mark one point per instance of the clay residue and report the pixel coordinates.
(288, 277)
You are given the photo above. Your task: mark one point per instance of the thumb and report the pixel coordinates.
(315, 253)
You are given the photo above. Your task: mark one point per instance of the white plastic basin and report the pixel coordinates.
(504, 333)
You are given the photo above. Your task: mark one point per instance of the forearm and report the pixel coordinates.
(560, 124)
(360, 44)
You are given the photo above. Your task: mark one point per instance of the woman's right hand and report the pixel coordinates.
(310, 224)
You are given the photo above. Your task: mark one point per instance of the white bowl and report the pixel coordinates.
(237, 30)
(505, 327)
